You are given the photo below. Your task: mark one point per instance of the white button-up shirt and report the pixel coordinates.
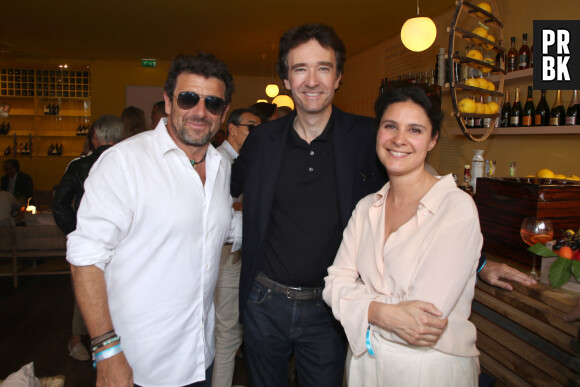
(147, 220)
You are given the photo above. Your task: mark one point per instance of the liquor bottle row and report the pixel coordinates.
(83, 129)
(518, 59)
(538, 115)
(422, 79)
(54, 150)
(52, 109)
(20, 150)
(4, 127)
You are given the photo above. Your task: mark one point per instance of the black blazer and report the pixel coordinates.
(23, 187)
(255, 173)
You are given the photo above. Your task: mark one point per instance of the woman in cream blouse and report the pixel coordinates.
(403, 278)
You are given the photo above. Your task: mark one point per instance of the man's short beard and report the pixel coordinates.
(183, 135)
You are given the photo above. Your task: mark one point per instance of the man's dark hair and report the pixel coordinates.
(14, 164)
(202, 64)
(264, 110)
(416, 95)
(325, 36)
(237, 114)
(160, 106)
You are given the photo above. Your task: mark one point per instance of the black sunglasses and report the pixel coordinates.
(250, 126)
(188, 99)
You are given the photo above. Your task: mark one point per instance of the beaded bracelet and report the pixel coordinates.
(105, 343)
(105, 336)
(107, 353)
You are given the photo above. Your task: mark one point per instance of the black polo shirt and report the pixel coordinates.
(304, 233)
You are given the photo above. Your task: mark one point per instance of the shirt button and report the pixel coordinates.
(310, 169)
(311, 153)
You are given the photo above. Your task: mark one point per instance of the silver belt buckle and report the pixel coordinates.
(298, 289)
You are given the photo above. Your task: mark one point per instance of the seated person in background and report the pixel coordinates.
(404, 276)
(134, 119)
(8, 207)
(157, 113)
(17, 183)
(106, 131)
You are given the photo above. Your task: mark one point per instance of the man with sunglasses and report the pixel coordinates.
(228, 331)
(145, 254)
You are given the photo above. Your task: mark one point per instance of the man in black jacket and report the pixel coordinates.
(108, 130)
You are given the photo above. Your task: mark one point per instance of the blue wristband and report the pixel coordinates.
(107, 353)
(368, 342)
(482, 266)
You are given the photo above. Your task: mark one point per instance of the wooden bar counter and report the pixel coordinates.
(522, 336)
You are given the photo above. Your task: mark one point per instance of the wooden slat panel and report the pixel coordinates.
(502, 374)
(516, 364)
(511, 352)
(534, 308)
(546, 331)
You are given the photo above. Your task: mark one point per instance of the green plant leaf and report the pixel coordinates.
(576, 270)
(560, 272)
(541, 250)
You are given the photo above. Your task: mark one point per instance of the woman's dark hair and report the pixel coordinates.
(323, 34)
(416, 95)
(206, 65)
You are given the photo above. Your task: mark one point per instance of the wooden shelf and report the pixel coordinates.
(529, 130)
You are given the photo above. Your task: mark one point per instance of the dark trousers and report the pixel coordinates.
(275, 326)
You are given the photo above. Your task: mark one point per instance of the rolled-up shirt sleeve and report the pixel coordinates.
(105, 213)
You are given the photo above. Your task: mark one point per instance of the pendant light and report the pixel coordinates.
(418, 33)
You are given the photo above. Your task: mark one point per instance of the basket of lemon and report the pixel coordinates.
(480, 46)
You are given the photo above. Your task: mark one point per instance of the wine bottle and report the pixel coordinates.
(506, 111)
(572, 112)
(512, 57)
(558, 114)
(542, 111)
(529, 112)
(524, 54)
(516, 117)
(50, 148)
(500, 57)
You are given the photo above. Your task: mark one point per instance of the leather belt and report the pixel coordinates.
(291, 292)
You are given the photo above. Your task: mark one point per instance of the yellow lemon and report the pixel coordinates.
(479, 108)
(530, 176)
(482, 83)
(493, 107)
(479, 31)
(473, 82)
(545, 173)
(490, 86)
(485, 7)
(487, 109)
(466, 105)
(573, 177)
(485, 69)
(475, 54)
(487, 45)
(559, 176)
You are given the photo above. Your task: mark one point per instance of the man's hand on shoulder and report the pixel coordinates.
(494, 272)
